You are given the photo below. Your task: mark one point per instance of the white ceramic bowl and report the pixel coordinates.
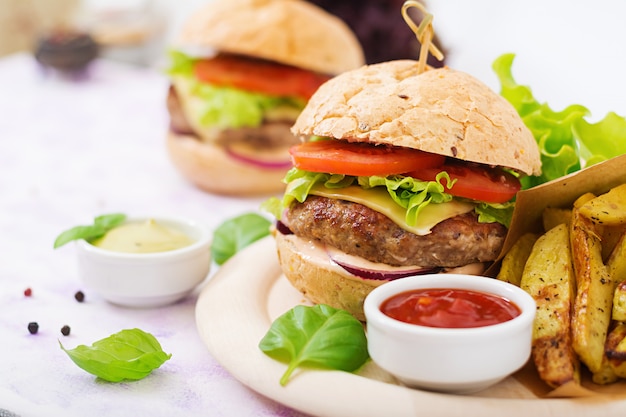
(453, 360)
(148, 279)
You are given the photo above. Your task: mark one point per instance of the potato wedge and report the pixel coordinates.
(619, 303)
(549, 278)
(583, 199)
(606, 374)
(616, 349)
(616, 266)
(594, 297)
(513, 262)
(553, 216)
(608, 208)
(611, 236)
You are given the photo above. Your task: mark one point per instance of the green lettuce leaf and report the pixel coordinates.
(408, 192)
(226, 107)
(567, 142)
(603, 140)
(130, 354)
(180, 64)
(495, 212)
(319, 336)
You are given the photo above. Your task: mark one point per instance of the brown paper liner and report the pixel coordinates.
(529, 378)
(562, 192)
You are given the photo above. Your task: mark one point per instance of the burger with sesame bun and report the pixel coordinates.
(399, 173)
(241, 72)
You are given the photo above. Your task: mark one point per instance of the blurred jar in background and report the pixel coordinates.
(130, 31)
(380, 27)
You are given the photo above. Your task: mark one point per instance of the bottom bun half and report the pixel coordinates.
(209, 167)
(309, 269)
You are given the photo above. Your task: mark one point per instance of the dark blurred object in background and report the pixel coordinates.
(66, 51)
(379, 25)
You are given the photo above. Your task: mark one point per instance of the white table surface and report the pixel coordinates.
(70, 151)
(567, 51)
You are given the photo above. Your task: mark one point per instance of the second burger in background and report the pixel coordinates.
(241, 73)
(400, 173)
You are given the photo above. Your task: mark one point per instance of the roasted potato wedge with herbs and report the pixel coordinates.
(611, 236)
(616, 266)
(607, 209)
(549, 278)
(606, 374)
(619, 303)
(616, 349)
(594, 297)
(583, 199)
(553, 216)
(514, 261)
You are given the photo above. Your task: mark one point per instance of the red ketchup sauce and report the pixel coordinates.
(449, 308)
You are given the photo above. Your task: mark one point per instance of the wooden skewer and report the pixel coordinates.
(424, 33)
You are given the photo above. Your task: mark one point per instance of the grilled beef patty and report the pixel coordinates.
(361, 231)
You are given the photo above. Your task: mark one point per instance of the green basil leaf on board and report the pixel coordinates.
(100, 226)
(237, 233)
(316, 337)
(130, 354)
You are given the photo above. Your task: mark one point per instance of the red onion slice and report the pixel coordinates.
(363, 268)
(282, 228)
(259, 162)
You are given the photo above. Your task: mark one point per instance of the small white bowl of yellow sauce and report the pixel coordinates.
(146, 262)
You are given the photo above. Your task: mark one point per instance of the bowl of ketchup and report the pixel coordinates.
(450, 333)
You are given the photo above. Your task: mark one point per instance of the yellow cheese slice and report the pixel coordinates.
(378, 199)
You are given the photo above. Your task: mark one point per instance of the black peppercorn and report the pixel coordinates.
(65, 330)
(79, 296)
(33, 327)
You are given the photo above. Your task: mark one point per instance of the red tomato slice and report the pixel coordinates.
(259, 76)
(360, 159)
(492, 185)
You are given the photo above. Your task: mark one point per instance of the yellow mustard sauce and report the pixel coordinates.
(146, 237)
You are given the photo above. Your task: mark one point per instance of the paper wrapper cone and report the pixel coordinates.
(529, 206)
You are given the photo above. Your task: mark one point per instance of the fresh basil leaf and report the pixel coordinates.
(237, 233)
(101, 225)
(318, 337)
(130, 354)
(109, 221)
(79, 232)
